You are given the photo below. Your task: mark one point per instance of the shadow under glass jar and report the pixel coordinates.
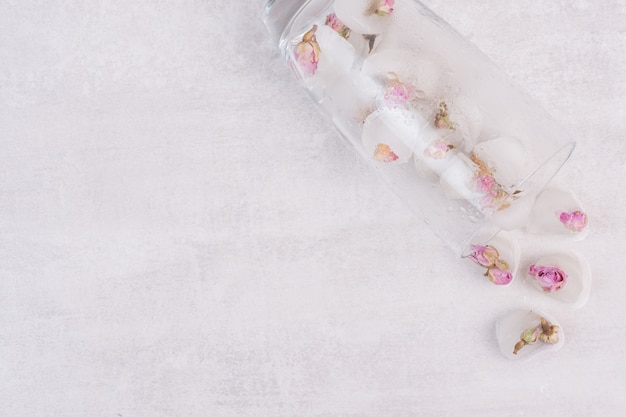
(448, 131)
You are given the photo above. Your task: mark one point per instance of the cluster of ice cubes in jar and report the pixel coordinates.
(412, 95)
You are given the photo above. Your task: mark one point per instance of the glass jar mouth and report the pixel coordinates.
(540, 177)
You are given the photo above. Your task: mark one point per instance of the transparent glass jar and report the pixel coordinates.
(448, 131)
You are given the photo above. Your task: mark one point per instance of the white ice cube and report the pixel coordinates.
(358, 16)
(506, 156)
(457, 179)
(354, 95)
(577, 287)
(391, 132)
(510, 327)
(551, 204)
(423, 74)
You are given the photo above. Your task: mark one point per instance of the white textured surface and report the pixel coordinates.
(182, 235)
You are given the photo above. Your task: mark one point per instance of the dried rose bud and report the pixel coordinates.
(484, 255)
(384, 153)
(438, 149)
(531, 335)
(550, 278)
(549, 332)
(442, 118)
(576, 221)
(307, 52)
(528, 337)
(337, 25)
(499, 276)
(551, 339)
(380, 7)
(396, 91)
(485, 183)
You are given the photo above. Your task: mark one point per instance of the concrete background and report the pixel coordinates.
(181, 234)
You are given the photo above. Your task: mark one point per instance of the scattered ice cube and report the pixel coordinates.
(551, 211)
(578, 284)
(510, 327)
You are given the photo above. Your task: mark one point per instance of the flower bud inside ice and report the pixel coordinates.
(575, 221)
(531, 335)
(506, 156)
(424, 75)
(365, 16)
(550, 278)
(484, 255)
(307, 53)
(499, 276)
(550, 339)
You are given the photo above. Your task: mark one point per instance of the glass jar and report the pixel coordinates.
(448, 131)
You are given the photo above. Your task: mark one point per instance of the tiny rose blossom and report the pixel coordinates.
(531, 335)
(442, 118)
(550, 278)
(396, 92)
(575, 221)
(438, 149)
(307, 52)
(338, 26)
(485, 183)
(499, 276)
(528, 337)
(384, 153)
(380, 7)
(484, 255)
(545, 332)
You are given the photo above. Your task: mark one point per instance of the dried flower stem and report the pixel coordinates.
(546, 333)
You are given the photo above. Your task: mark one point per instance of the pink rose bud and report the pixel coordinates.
(499, 276)
(380, 7)
(550, 278)
(307, 52)
(397, 92)
(484, 255)
(438, 149)
(337, 25)
(575, 221)
(383, 153)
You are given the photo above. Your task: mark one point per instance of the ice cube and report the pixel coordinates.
(506, 157)
(361, 17)
(577, 287)
(510, 327)
(390, 134)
